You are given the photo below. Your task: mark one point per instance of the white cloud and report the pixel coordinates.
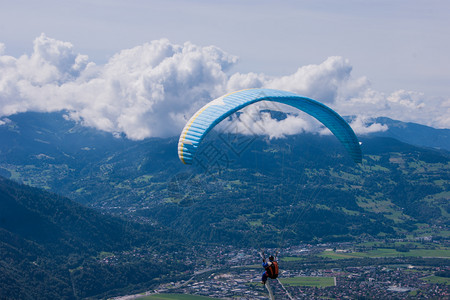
(149, 90)
(152, 89)
(408, 106)
(4, 121)
(255, 119)
(364, 125)
(315, 81)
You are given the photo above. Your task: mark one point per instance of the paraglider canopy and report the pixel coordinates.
(217, 110)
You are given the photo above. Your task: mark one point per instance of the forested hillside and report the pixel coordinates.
(54, 248)
(242, 189)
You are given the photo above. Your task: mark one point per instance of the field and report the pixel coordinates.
(437, 279)
(308, 281)
(387, 252)
(175, 297)
(292, 258)
(254, 266)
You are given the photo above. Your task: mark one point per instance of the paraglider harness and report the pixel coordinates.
(272, 266)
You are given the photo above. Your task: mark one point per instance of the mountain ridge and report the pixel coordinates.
(415, 134)
(59, 128)
(243, 190)
(144, 180)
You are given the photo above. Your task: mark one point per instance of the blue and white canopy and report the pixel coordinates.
(215, 111)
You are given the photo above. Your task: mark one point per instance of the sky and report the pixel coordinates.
(143, 67)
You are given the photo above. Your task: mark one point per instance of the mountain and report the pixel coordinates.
(305, 188)
(243, 190)
(52, 247)
(50, 136)
(415, 134)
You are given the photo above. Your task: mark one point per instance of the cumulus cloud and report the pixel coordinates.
(365, 125)
(331, 82)
(257, 120)
(315, 81)
(149, 90)
(153, 89)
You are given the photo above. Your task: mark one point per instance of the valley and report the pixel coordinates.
(131, 218)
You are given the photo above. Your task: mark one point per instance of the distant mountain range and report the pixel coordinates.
(237, 179)
(407, 132)
(244, 190)
(415, 134)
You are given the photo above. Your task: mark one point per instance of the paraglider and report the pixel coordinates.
(270, 267)
(217, 110)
